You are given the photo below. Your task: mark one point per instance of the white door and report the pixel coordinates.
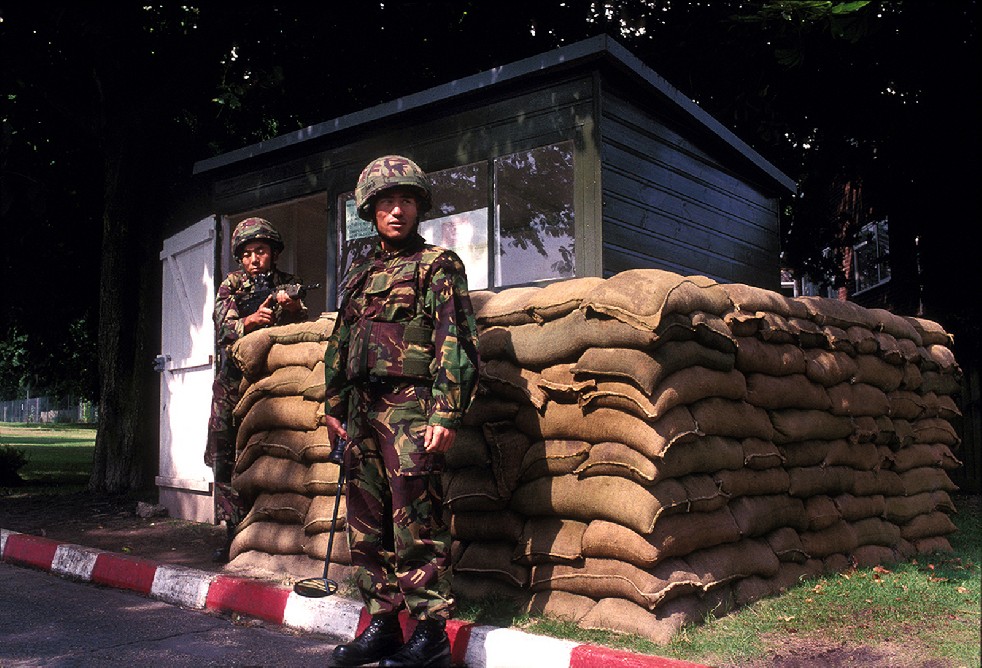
(186, 366)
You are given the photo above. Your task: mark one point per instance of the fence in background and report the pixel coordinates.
(48, 409)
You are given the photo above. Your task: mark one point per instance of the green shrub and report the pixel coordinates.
(11, 461)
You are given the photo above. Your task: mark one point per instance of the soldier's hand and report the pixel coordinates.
(438, 439)
(287, 302)
(263, 317)
(334, 428)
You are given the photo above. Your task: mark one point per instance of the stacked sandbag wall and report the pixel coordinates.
(653, 447)
(282, 470)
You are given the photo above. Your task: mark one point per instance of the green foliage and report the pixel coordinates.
(11, 461)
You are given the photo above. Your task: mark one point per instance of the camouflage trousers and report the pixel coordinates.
(220, 450)
(397, 529)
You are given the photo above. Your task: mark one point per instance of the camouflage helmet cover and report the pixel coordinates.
(255, 229)
(390, 171)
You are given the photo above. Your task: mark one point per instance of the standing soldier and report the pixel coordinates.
(245, 302)
(401, 368)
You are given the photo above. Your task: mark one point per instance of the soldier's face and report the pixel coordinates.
(257, 257)
(396, 216)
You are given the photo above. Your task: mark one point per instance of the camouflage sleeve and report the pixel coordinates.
(335, 360)
(228, 326)
(454, 341)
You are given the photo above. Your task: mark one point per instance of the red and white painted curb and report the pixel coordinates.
(471, 645)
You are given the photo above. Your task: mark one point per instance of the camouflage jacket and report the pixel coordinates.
(406, 315)
(235, 289)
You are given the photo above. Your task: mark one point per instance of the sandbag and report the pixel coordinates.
(550, 539)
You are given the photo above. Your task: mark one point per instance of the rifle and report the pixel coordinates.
(264, 289)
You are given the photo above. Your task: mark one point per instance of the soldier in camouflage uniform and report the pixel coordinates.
(239, 309)
(401, 368)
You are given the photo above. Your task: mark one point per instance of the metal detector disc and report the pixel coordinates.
(315, 587)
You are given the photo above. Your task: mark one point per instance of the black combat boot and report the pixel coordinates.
(221, 554)
(428, 647)
(381, 638)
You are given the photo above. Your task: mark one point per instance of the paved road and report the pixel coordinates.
(46, 620)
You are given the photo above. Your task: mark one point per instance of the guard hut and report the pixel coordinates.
(577, 162)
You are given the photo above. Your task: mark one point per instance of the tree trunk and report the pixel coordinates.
(126, 443)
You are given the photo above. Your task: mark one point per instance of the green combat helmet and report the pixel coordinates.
(255, 229)
(388, 172)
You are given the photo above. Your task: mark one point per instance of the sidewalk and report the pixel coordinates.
(471, 645)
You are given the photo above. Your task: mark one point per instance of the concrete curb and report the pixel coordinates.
(471, 645)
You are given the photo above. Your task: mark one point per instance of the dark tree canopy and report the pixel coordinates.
(106, 108)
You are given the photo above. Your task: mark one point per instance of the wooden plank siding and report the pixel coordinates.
(670, 205)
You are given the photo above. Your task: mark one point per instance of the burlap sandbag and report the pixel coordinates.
(852, 398)
(760, 454)
(863, 340)
(931, 545)
(508, 307)
(868, 556)
(839, 339)
(821, 512)
(895, 325)
(292, 413)
(288, 508)
(853, 508)
(840, 313)
(940, 382)
(618, 615)
(683, 387)
(469, 449)
(320, 514)
(935, 430)
(321, 479)
(507, 446)
(875, 531)
(926, 479)
(553, 458)
(494, 560)
(928, 526)
(804, 453)
(749, 482)
(860, 456)
(792, 425)
(786, 545)
(870, 483)
(560, 605)
(550, 539)
(733, 418)
(840, 538)
(829, 368)
(640, 297)
(487, 526)
(720, 564)
(751, 298)
(268, 537)
(282, 382)
(270, 474)
(300, 445)
(812, 480)
(476, 587)
(703, 492)
(315, 547)
(647, 369)
(305, 353)
(905, 404)
(560, 384)
(705, 454)
(608, 578)
(611, 498)
(875, 371)
(673, 536)
(488, 408)
(772, 328)
(304, 332)
(563, 340)
(251, 451)
(758, 515)
(943, 407)
(312, 387)
(917, 455)
(570, 422)
(250, 352)
(472, 489)
(790, 391)
(810, 335)
(560, 298)
(865, 429)
(756, 356)
(930, 332)
(617, 459)
(509, 381)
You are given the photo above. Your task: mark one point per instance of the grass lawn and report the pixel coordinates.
(58, 455)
